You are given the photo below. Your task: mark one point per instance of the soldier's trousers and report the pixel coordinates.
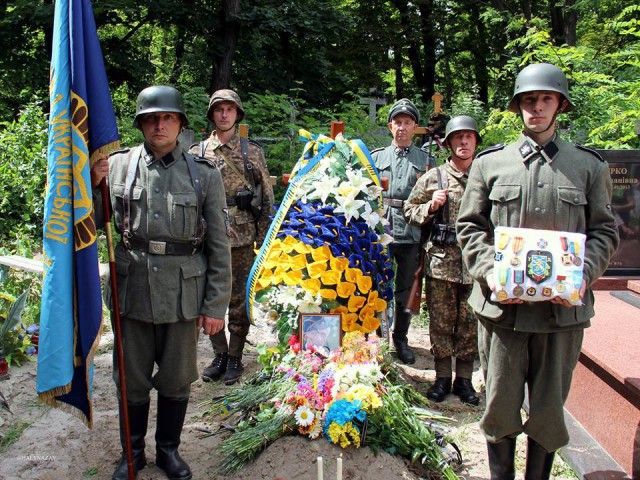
(238, 323)
(172, 346)
(545, 363)
(453, 327)
(406, 256)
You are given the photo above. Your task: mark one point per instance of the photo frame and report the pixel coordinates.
(323, 331)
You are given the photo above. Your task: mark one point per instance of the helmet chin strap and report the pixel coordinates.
(559, 110)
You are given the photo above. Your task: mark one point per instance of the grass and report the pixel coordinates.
(12, 435)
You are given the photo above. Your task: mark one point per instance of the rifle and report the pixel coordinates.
(415, 294)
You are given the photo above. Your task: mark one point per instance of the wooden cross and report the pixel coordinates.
(437, 103)
(373, 104)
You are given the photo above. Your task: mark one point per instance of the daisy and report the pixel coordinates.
(304, 416)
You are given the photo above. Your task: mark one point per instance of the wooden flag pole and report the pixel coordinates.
(124, 407)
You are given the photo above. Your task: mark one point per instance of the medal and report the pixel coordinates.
(518, 278)
(566, 259)
(531, 291)
(564, 243)
(539, 265)
(576, 279)
(516, 246)
(498, 257)
(575, 250)
(503, 274)
(542, 243)
(546, 292)
(575, 296)
(503, 240)
(561, 287)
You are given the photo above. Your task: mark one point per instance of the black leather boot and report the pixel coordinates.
(400, 330)
(234, 370)
(138, 420)
(171, 415)
(539, 461)
(440, 389)
(501, 459)
(217, 368)
(463, 388)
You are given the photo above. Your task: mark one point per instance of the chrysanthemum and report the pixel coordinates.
(304, 416)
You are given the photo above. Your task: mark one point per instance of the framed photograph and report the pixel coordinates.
(322, 330)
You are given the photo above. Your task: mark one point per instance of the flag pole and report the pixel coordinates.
(117, 334)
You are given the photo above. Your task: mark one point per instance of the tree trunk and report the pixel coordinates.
(397, 66)
(480, 50)
(557, 21)
(570, 23)
(231, 29)
(429, 43)
(179, 56)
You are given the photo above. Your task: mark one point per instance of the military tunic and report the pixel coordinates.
(162, 296)
(247, 231)
(402, 169)
(452, 323)
(556, 186)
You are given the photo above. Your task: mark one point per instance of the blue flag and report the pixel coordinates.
(82, 127)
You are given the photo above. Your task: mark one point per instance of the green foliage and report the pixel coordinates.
(23, 167)
(13, 339)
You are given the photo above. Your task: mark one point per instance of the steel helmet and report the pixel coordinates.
(225, 95)
(159, 98)
(405, 106)
(462, 122)
(540, 76)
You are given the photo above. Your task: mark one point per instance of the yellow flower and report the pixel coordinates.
(345, 289)
(345, 434)
(315, 269)
(370, 324)
(330, 277)
(339, 309)
(312, 285)
(355, 303)
(349, 323)
(297, 262)
(289, 243)
(339, 263)
(366, 312)
(321, 253)
(352, 274)
(377, 303)
(328, 294)
(301, 247)
(364, 283)
(292, 277)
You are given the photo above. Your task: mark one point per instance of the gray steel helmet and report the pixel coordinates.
(405, 106)
(540, 76)
(225, 95)
(159, 98)
(462, 122)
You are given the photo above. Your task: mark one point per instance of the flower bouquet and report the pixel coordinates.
(347, 398)
(326, 248)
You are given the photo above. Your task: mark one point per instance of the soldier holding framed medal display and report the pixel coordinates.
(531, 292)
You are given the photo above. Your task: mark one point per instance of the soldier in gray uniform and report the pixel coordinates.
(537, 182)
(402, 163)
(173, 267)
(435, 201)
(250, 202)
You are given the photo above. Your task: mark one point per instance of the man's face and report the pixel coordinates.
(161, 130)
(463, 144)
(225, 115)
(402, 127)
(538, 109)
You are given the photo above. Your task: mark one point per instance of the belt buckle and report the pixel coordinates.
(157, 248)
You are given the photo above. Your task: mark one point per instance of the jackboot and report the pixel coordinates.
(400, 330)
(539, 461)
(501, 459)
(217, 368)
(234, 370)
(138, 421)
(440, 389)
(171, 415)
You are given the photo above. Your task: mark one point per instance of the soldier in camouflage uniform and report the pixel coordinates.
(173, 268)
(402, 163)
(250, 201)
(545, 183)
(452, 324)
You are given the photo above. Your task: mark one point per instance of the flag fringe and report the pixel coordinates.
(49, 398)
(104, 150)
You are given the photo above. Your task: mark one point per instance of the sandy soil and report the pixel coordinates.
(56, 445)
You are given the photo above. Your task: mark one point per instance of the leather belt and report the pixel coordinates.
(165, 248)
(393, 202)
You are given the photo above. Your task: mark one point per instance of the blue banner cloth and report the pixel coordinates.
(82, 127)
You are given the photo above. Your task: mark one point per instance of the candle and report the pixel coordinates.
(320, 474)
(339, 472)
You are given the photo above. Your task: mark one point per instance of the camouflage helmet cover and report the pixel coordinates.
(405, 106)
(159, 98)
(225, 95)
(540, 76)
(462, 122)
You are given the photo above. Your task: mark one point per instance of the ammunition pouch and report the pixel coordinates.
(443, 235)
(243, 200)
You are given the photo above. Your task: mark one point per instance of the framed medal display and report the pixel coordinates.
(537, 265)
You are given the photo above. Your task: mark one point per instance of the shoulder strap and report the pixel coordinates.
(132, 168)
(443, 212)
(248, 168)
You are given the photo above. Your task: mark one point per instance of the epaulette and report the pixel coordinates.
(122, 150)
(206, 160)
(591, 151)
(377, 149)
(492, 148)
(253, 142)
